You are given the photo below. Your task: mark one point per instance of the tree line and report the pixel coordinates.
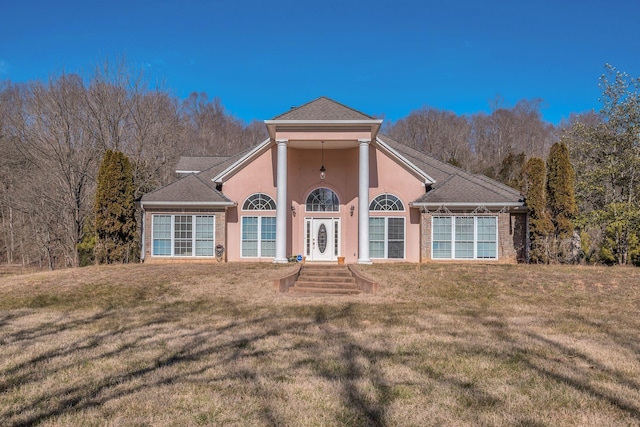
(54, 134)
(580, 178)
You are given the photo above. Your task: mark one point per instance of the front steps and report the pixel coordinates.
(325, 280)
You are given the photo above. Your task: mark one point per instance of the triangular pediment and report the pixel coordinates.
(323, 109)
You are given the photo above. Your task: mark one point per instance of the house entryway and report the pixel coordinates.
(322, 239)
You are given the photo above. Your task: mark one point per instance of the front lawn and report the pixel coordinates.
(447, 344)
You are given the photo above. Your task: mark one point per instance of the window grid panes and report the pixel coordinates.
(386, 202)
(460, 237)
(395, 237)
(376, 237)
(441, 237)
(268, 236)
(323, 200)
(258, 236)
(259, 202)
(464, 237)
(179, 235)
(386, 237)
(204, 235)
(182, 235)
(161, 225)
(487, 242)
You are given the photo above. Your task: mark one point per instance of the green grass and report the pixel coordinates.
(201, 344)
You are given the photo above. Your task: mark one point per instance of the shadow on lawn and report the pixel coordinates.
(325, 341)
(566, 365)
(211, 349)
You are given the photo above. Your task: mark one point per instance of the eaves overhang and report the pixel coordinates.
(511, 206)
(158, 203)
(273, 126)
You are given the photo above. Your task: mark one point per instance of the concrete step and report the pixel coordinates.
(314, 290)
(321, 278)
(325, 279)
(317, 284)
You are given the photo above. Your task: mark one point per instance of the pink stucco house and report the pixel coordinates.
(327, 186)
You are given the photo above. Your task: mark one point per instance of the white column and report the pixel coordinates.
(363, 203)
(281, 204)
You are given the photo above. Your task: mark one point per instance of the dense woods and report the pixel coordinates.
(580, 178)
(54, 134)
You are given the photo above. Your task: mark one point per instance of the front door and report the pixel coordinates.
(322, 235)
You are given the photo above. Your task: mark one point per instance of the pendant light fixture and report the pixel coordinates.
(323, 171)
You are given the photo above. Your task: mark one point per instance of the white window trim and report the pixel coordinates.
(475, 237)
(258, 210)
(306, 209)
(193, 235)
(386, 235)
(387, 210)
(259, 255)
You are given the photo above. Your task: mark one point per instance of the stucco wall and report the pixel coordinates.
(303, 165)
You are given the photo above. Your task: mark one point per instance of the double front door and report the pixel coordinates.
(322, 239)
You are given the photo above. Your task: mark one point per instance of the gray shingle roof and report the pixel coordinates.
(192, 188)
(198, 164)
(323, 108)
(454, 185)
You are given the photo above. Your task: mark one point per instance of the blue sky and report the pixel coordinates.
(381, 57)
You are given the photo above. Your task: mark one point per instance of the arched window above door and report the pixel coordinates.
(323, 200)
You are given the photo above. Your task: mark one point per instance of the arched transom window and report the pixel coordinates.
(386, 202)
(259, 202)
(323, 200)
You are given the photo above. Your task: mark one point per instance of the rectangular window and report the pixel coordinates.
(258, 236)
(161, 225)
(464, 237)
(487, 238)
(386, 237)
(441, 237)
(178, 235)
(204, 235)
(268, 236)
(376, 237)
(395, 238)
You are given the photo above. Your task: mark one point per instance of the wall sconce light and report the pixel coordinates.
(293, 210)
(351, 209)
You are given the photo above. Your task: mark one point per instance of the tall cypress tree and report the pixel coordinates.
(561, 199)
(115, 220)
(540, 225)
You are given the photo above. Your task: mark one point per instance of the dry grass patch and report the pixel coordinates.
(215, 345)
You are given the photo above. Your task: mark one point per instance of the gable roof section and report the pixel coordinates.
(188, 191)
(323, 109)
(454, 186)
(188, 164)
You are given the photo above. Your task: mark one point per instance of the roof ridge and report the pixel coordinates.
(326, 98)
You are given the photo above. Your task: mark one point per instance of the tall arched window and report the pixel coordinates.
(323, 200)
(386, 232)
(386, 202)
(258, 231)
